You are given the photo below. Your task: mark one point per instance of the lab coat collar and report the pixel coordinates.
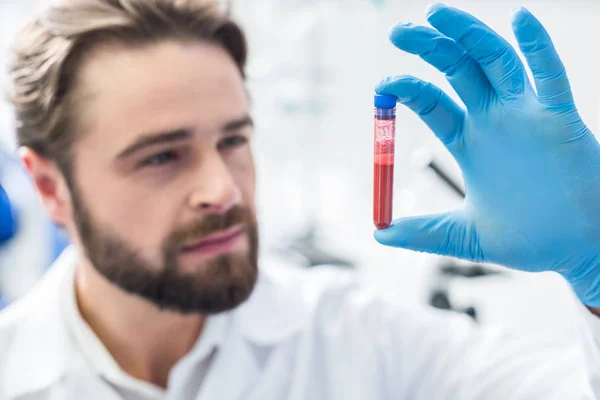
(41, 352)
(272, 314)
(277, 309)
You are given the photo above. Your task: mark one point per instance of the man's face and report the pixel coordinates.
(163, 175)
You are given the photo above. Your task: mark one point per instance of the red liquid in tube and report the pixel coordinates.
(383, 176)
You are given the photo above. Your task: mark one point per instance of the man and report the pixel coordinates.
(134, 124)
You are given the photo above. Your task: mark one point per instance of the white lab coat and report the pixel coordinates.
(315, 335)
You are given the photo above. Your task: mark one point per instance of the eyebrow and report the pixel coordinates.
(238, 124)
(153, 139)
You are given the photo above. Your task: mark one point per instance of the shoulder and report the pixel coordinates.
(12, 319)
(26, 314)
(320, 300)
(32, 337)
(291, 300)
(311, 288)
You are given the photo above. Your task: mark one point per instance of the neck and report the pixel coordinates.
(145, 341)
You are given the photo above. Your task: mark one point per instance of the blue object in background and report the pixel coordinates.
(8, 226)
(8, 221)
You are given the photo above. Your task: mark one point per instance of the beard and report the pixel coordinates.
(220, 284)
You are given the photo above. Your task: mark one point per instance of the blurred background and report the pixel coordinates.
(312, 69)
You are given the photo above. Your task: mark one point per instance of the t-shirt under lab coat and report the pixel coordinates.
(303, 334)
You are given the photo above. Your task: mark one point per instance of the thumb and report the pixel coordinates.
(449, 234)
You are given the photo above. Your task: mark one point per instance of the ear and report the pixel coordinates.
(50, 185)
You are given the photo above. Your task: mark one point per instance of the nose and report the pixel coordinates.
(216, 191)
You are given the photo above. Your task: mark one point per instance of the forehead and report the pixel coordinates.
(126, 92)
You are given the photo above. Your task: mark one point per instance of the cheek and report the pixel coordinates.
(149, 219)
(131, 212)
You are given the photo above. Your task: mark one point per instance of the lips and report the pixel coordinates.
(216, 239)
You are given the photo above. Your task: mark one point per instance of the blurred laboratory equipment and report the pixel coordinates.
(304, 93)
(440, 287)
(8, 218)
(445, 177)
(448, 271)
(8, 225)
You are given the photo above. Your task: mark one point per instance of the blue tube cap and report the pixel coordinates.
(385, 101)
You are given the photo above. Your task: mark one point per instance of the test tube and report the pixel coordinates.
(383, 176)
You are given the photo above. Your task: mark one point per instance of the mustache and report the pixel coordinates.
(239, 215)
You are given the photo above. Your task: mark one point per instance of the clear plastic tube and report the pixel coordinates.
(383, 166)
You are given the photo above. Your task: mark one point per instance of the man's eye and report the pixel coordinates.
(232, 141)
(160, 159)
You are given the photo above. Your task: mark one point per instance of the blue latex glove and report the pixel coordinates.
(530, 165)
(8, 225)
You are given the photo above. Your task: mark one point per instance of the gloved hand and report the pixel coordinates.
(7, 220)
(530, 165)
